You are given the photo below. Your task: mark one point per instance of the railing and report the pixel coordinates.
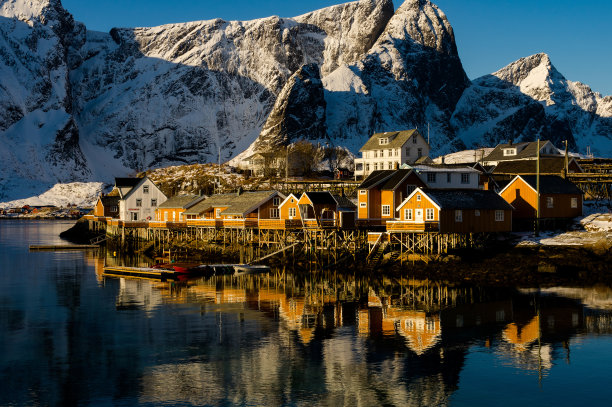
(281, 224)
(209, 223)
(240, 223)
(404, 226)
(166, 224)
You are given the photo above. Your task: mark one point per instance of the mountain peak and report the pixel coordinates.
(529, 71)
(28, 9)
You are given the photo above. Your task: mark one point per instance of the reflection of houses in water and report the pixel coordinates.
(138, 294)
(422, 331)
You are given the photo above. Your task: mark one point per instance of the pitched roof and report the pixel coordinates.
(395, 179)
(247, 201)
(127, 182)
(321, 198)
(445, 168)
(396, 139)
(375, 178)
(110, 200)
(467, 199)
(179, 201)
(523, 150)
(210, 202)
(548, 165)
(552, 184)
(344, 202)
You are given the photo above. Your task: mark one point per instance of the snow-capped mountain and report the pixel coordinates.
(78, 105)
(529, 98)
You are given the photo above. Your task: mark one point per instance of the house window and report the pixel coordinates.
(448, 177)
(549, 202)
(173, 216)
(153, 202)
(407, 151)
(499, 216)
(138, 203)
(375, 166)
(274, 213)
(477, 212)
(276, 201)
(292, 213)
(429, 214)
(386, 210)
(145, 189)
(431, 177)
(134, 215)
(419, 152)
(367, 167)
(465, 178)
(409, 189)
(218, 213)
(390, 165)
(509, 152)
(414, 139)
(397, 152)
(408, 214)
(418, 197)
(363, 192)
(165, 216)
(375, 153)
(390, 152)
(363, 204)
(458, 215)
(574, 202)
(114, 209)
(383, 140)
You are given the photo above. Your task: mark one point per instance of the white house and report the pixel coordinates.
(448, 176)
(139, 198)
(520, 151)
(387, 151)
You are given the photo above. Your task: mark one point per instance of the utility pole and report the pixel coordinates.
(566, 161)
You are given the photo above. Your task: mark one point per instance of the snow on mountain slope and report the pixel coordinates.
(529, 98)
(411, 77)
(39, 138)
(183, 93)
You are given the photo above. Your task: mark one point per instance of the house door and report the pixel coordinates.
(134, 215)
(418, 215)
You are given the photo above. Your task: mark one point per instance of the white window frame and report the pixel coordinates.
(465, 177)
(386, 210)
(383, 141)
(218, 213)
(139, 203)
(274, 213)
(508, 152)
(499, 215)
(276, 201)
(458, 215)
(363, 205)
(408, 214)
(550, 202)
(145, 189)
(431, 177)
(153, 203)
(430, 214)
(292, 212)
(363, 192)
(418, 197)
(574, 203)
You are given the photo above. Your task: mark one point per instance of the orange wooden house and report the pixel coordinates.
(382, 192)
(317, 210)
(107, 206)
(238, 210)
(559, 198)
(172, 210)
(453, 211)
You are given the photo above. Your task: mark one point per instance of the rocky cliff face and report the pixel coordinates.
(39, 137)
(530, 98)
(82, 105)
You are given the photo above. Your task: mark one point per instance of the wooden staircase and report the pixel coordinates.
(376, 256)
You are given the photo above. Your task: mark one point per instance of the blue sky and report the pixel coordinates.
(490, 33)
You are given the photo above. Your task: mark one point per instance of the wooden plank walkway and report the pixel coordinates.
(146, 272)
(63, 247)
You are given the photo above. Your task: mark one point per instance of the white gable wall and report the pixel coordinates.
(129, 209)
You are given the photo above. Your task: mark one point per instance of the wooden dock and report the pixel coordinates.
(142, 272)
(63, 247)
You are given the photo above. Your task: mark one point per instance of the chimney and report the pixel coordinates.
(510, 142)
(443, 157)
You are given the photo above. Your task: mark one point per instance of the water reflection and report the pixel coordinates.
(70, 335)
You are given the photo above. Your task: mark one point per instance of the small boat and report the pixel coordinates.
(244, 269)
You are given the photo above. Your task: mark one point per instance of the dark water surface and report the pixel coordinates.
(69, 336)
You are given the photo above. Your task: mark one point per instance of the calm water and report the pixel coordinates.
(69, 336)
